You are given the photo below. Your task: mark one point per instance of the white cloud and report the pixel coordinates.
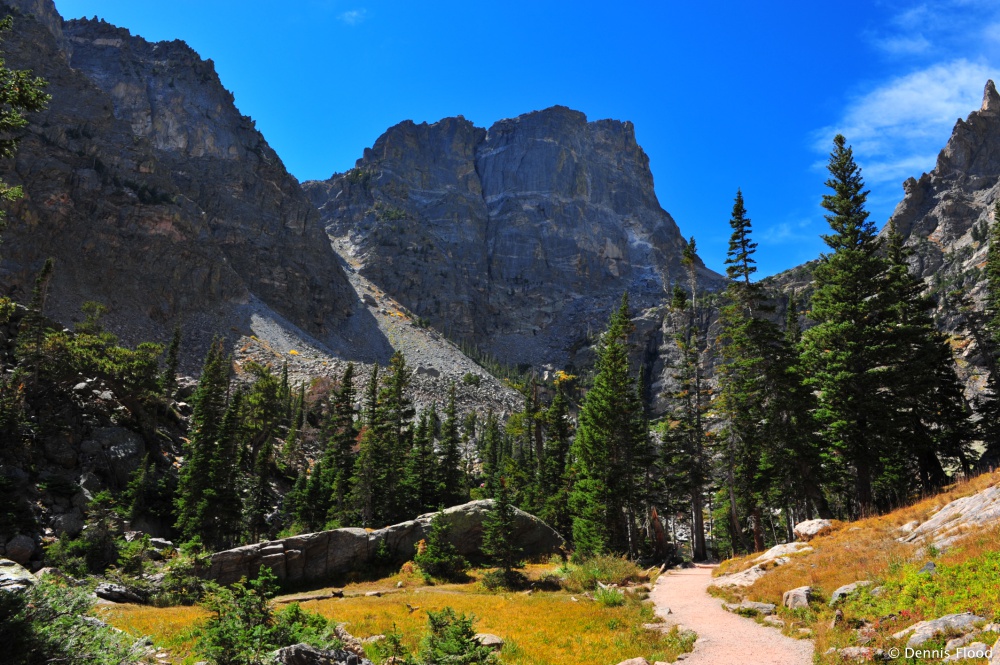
(787, 232)
(903, 45)
(898, 127)
(353, 17)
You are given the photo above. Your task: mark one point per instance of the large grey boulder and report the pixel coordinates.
(303, 654)
(847, 590)
(927, 630)
(314, 557)
(21, 548)
(957, 518)
(812, 529)
(798, 598)
(14, 577)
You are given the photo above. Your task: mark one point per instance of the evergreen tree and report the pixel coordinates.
(438, 557)
(985, 329)
(225, 503)
(844, 351)
(604, 498)
(341, 435)
(453, 490)
(499, 537)
(555, 479)
(195, 477)
(421, 485)
(755, 386)
(168, 379)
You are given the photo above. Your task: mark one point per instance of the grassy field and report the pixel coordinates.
(543, 628)
(967, 578)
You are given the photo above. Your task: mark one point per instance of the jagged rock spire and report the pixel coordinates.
(991, 99)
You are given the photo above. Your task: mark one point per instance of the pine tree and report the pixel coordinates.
(986, 331)
(341, 435)
(755, 387)
(604, 497)
(845, 353)
(422, 486)
(500, 538)
(439, 556)
(453, 490)
(168, 379)
(195, 477)
(555, 478)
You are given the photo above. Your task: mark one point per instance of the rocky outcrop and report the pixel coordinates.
(810, 529)
(154, 195)
(14, 577)
(304, 654)
(518, 239)
(314, 557)
(957, 518)
(924, 631)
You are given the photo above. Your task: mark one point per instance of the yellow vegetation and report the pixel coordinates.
(543, 628)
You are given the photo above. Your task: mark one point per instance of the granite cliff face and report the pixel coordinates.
(153, 194)
(945, 218)
(518, 239)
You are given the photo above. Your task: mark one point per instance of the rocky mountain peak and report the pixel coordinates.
(991, 99)
(518, 239)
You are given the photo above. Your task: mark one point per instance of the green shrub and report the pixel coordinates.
(608, 597)
(181, 583)
(606, 569)
(245, 630)
(471, 379)
(439, 558)
(498, 579)
(47, 624)
(452, 640)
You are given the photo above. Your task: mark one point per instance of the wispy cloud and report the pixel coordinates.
(898, 127)
(943, 51)
(353, 17)
(788, 232)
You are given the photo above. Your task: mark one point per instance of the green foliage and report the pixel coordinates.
(48, 624)
(610, 449)
(244, 629)
(471, 379)
(97, 547)
(439, 558)
(608, 597)
(182, 584)
(451, 641)
(604, 569)
(499, 544)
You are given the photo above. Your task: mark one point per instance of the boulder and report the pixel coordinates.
(797, 598)
(957, 518)
(303, 654)
(634, 661)
(117, 593)
(974, 651)
(847, 590)
(14, 577)
(783, 550)
(490, 640)
(995, 653)
(21, 548)
(812, 529)
(928, 630)
(124, 451)
(750, 607)
(315, 556)
(860, 654)
(68, 524)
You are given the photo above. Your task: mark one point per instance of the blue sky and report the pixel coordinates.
(724, 95)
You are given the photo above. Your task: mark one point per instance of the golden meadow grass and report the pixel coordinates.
(544, 628)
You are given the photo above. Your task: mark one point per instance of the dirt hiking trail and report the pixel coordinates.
(723, 638)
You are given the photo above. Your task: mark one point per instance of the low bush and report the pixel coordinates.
(607, 597)
(606, 569)
(48, 624)
(245, 630)
(452, 639)
(437, 557)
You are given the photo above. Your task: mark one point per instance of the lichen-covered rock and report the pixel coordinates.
(847, 590)
(14, 577)
(303, 654)
(927, 630)
(117, 593)
(750, 606)
(955, 519)
(315, 556)
(798, 598)
(812, 529)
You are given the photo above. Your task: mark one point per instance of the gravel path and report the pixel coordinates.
(723, 638)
